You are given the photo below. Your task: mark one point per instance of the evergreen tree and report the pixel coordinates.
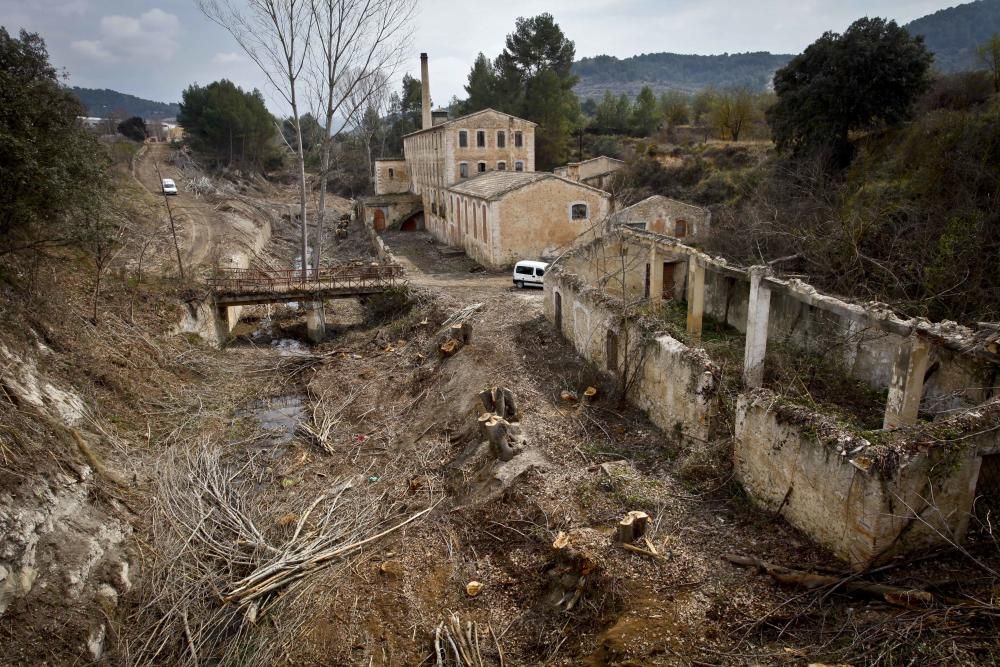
(229, 123)
(646, 115)
(482, 86)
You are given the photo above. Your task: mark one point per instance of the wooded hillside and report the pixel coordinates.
(953, 34)
(103, 102)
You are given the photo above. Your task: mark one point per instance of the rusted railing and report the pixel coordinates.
(346, 277)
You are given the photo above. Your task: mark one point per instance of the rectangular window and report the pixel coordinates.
(518, 139)
(523, 270)
(501, 139)
(518, 166)
(392, 174)
(579, 212)
(481, 167)
(463, 139)
(501, 166)
(463, 170)
(480, 138)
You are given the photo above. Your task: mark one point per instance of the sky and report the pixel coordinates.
(156, 48)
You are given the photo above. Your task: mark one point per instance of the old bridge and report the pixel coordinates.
(234, 288)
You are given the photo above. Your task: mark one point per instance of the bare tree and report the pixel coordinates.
(275, 34)
(360, 44)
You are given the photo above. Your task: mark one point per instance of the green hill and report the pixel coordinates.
(953, 34)
(663, 71)
(103, 103)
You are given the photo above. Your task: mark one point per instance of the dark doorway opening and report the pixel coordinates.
(611, 352)
(558, 311)
(379, 220)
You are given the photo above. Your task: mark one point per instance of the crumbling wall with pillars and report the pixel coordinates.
(675, 385)
(863, 496)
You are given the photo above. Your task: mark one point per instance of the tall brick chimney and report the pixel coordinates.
(425, 85)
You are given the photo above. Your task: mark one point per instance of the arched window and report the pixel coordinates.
(484, 222)
(463, 169)
(519, 166)
(481, 167)
(578, 212)
(501, 166)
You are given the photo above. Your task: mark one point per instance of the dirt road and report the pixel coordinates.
(198, 221)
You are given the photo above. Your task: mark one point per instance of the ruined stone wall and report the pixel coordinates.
(670, 217)
(861, 501)
(391, 177)
(676, 386)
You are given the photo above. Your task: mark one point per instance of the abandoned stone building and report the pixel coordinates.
(670, 217)
(471, 182)
(908, 468)
(598, 172)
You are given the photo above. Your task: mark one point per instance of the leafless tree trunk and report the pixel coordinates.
(360, 45)
(275, 34)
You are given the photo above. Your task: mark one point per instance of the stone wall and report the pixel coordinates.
(391, 177)
(862, 501)
(534, 222)
(676, 386)
(667, 216)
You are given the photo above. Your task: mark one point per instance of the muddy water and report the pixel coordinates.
(280, 416)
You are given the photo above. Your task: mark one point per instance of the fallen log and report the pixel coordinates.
(894, 595)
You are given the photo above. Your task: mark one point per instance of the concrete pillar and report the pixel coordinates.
(758, 312)
(695, 297)
(655, 276)
(316, 321)
(907, 385)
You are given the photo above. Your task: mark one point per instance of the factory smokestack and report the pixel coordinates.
(425, 86)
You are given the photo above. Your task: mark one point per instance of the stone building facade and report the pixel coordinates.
(474, 179)
(598, 172)
(669, 217)
(502, 217)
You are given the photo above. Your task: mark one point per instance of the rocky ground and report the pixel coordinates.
(277, 503)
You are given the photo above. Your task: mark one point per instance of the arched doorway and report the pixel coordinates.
(379, 220)
(415, 223)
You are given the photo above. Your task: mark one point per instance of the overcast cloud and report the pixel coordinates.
(155, 48)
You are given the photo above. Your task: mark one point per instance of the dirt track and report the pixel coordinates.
(201, 227)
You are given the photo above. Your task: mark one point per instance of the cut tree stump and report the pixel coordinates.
(500, 401)
(576, 563)
(500, 433)
(461, 332)
(449, 347)
(632, 527)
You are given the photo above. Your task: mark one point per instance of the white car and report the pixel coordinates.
(169, 187)
(527, 272)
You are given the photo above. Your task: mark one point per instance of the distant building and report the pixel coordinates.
(598, 172)
(471, 182)
(668, 217)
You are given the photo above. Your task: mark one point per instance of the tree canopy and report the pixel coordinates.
(52, 170)
(134, 128)
(233, 125)
(868, 77)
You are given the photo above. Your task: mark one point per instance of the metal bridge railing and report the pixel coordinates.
(346, 277)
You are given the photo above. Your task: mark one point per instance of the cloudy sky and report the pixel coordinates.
(155, 48)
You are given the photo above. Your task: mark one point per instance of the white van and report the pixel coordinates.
(528, 272)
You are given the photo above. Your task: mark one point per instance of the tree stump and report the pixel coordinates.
(499, 401)
(632, 527)
(449, 347)
(576, 564)
(500, 432)
(461, 332)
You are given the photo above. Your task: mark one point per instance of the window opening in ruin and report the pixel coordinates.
(680, 229)
(645, 288)
(611, 352)
(518, 139)
(463, 169)
(392, 173)
(501, 139)
(558, 309)
(518, 166)
(578, 212)
(480, 138)
(481, 167)
(463, 139)
(501, 166)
